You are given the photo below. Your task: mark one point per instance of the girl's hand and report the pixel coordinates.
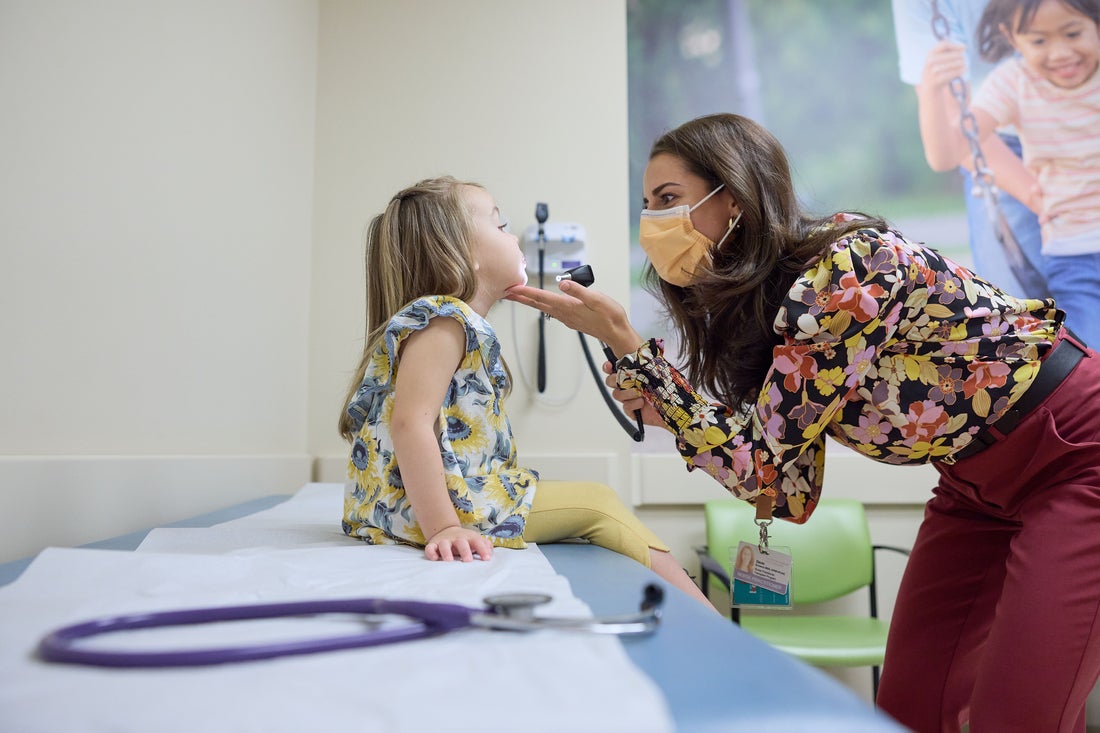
(945, 145)
(632, 400)
(585, 310)
(945, 61)
(452, 543)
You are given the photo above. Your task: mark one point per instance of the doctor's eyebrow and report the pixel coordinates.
(657, 190)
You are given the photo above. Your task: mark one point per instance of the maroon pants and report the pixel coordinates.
(997, 619)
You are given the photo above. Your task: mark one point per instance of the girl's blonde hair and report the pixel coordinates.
(421, 245)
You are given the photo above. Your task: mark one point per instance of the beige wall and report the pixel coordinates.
(156, 173)
(156, 197)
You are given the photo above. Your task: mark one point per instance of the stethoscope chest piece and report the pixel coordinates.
(518, 606)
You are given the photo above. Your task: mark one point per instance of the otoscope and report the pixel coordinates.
(583, 276)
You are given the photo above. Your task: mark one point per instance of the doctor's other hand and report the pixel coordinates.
(458, 543)
(585, 310)
(632, 400)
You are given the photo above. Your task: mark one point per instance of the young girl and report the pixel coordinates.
(1050, 92)
(432, 458)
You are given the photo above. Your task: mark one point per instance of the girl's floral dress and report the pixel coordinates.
(489, 491)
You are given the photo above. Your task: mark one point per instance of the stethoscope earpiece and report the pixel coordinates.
(653, 596)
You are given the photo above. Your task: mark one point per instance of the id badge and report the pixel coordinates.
(761, 577)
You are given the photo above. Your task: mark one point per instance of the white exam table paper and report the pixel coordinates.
(470, 680)
(310, 518)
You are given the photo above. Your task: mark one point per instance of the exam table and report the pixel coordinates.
(715, 677)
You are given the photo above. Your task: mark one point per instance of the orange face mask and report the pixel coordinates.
(672, 244)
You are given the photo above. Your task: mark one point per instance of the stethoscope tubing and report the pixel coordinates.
(432, 619)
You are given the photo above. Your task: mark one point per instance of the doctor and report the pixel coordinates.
(802, 326)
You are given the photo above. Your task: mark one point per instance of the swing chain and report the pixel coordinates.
(1029, 277)
(982, 175)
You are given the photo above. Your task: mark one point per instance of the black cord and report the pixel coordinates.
(637, 434)
(542, 322)
(542, 213)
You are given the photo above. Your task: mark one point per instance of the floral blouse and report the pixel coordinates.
(889, 347)
(489, 491)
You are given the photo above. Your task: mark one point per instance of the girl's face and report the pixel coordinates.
(500, 262)
(1060, 44)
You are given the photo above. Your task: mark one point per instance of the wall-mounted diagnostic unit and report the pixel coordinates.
(562, 244)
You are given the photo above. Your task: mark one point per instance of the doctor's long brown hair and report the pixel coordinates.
(725, 318)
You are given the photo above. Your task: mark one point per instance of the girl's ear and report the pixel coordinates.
(1007, 34)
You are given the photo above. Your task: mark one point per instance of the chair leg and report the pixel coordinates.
(874, 685)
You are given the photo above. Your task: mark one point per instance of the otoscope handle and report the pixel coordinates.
(637, 413)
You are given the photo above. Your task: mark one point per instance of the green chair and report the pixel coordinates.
(832, 557)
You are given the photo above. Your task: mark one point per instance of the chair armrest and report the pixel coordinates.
(709, 565)
(874, 574)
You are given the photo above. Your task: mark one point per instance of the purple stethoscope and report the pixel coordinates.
(510, 612)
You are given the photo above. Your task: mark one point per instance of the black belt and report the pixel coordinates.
(1052, 370)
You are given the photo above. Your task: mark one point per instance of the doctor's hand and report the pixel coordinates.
(585, 310)
(458, 543)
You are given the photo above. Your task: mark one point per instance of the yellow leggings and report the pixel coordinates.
(580, 509)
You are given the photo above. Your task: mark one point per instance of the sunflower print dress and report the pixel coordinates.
(888, 347)
(490, 493)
